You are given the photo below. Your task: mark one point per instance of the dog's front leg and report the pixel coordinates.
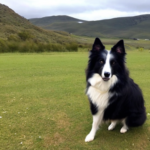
(97, 119)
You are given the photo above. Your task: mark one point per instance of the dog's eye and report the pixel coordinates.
(101, 62)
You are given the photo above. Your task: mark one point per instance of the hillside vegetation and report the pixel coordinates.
(125, 27)
(16, 32)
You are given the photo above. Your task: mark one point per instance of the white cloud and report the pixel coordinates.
(104, 14)
(82, 9)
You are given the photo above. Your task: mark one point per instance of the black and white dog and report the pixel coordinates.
(112, 94)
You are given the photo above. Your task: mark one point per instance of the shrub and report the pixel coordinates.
(13, 37)
(41, 47)
(30, 46)
(71, 47)
(58, 47)
(25, 35)
(3, 46)
(13, 46)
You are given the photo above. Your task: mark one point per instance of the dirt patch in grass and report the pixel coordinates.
(62, 120)
(29, 143)
(62, 126)
(55, 140)
(142, 144)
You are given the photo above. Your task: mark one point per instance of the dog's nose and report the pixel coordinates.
(106, 74)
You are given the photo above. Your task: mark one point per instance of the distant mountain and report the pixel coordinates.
(124, 27)
(54, 19)
(11, 24)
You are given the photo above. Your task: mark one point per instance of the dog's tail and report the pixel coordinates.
(136, 119)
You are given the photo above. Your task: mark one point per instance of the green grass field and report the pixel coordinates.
(43, 105)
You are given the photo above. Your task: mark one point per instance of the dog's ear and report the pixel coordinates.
(119, 47)
(98, 46)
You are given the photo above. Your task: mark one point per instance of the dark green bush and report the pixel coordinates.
(71, 47)
(31, 46)
(13, 46)
(3, 46)
(25, 35)
(13, 37)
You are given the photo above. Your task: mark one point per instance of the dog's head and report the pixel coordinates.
(107, 63)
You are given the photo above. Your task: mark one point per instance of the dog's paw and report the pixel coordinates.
(89, 138)
(123, 130)
(111, 127)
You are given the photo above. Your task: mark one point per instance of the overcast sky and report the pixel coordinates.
(81, 9)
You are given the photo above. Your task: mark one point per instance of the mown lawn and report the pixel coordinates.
(43, 105)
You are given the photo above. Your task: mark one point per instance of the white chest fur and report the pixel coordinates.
(99, 90)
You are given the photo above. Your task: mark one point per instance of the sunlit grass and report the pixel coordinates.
(43, 104)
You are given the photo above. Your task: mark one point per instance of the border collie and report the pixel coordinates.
(112, 94)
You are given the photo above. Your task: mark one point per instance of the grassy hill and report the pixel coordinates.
(17, 34)
(54, 19)
(11, 24)
(125, 27)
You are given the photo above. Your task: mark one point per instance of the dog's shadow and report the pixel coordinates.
(138, 135)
